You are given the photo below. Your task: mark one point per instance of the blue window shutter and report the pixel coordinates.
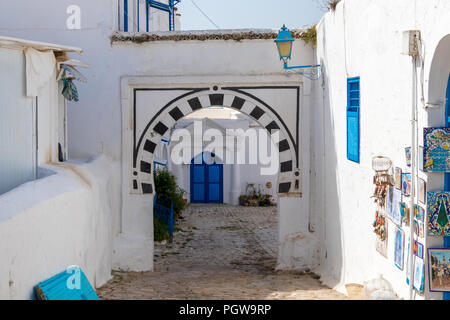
(353, 119)
(125, 15)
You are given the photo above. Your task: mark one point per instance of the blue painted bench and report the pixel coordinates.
(67, 285)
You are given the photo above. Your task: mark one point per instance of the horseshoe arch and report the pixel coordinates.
(236, 98)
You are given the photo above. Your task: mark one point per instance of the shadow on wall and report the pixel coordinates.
(438, 79)
(327, 194)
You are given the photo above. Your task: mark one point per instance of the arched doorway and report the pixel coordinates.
(151, 106)
(206, 179)
(155, 128)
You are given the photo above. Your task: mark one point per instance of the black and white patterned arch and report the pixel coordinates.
(195, 99)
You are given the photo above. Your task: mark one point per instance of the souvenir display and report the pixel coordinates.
(421, 230)
(406, 184)
(421, 158)
(399, 247)
(439, 269)
(436, 156)
(404, 211)
(419, 274)
(418, 228)
(407, 263)
(398, 178)
(380, 229)
(389, 201)
(418, 249)
(394, 213)
(421, 190)
(382, 179)
(408, 156)
(438, 213)
(419, 213)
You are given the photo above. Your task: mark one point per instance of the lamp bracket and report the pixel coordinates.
(312, 72)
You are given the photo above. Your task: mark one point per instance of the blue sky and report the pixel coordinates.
(237, 14)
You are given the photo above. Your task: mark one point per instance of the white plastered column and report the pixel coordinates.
(235, 184)
(298, 247)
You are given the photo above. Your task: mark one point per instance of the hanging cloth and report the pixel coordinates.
(40, 67)
(70, 91)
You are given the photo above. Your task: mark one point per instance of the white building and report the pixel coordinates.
(52, 214)
(142, 84)
(365, 39)
(33, 121)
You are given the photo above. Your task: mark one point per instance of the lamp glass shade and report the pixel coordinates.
(284, 49)
(284, 43)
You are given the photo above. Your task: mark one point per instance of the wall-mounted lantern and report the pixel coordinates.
(284, 43)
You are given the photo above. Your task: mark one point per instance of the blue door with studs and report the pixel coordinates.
(206, 179)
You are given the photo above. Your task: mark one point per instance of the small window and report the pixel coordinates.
(353, 120)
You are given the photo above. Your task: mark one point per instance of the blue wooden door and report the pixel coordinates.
(206, 182)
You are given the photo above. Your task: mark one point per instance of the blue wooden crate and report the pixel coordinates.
(57, 288)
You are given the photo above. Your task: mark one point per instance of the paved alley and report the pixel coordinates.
(219, 252)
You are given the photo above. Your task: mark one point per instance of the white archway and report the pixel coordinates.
(152, 105)
(185, 104)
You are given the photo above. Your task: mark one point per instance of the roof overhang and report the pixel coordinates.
(16, 43)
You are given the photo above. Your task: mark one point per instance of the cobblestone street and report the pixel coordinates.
(219, 252)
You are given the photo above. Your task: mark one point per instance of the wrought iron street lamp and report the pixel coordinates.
(284, 43)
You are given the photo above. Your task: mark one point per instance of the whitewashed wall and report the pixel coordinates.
(95, 123)
(50, 224)
(364, 38)
(17, 124)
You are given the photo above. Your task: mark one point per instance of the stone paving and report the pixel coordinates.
(219, 252)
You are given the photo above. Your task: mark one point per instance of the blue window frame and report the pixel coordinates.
(353, 118)
(125, 15)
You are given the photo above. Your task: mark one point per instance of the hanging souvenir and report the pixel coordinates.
(399, 248)
(408, 156)
(439, 270)
(405, 213)
(398, 178)
(436, 156)
(421, 191)
(382, 179)
(438, 212)
(406, 184)
(380, 229)
(393, 210)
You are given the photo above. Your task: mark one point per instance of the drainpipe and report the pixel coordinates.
(414, 52)
(413, 178)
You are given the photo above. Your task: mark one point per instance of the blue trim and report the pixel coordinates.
(125, 15)
(163, 210)
(353, 118)
(169, 8)
(147, 11)
(138, 15)
(56, 287)
(446, 295)
(447, 124)
(286, 67)
(206, 183)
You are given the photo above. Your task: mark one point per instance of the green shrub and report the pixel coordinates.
(310, 35)
(160, 230)
(166, 187)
